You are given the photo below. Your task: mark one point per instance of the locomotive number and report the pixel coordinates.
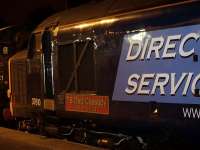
(36, 102)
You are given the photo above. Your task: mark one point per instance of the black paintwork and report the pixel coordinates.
(109, 41)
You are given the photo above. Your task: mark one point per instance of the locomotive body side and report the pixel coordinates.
(109, 38)
(75, 70)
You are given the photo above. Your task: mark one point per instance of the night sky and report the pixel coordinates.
(20, 12)
(13, 12)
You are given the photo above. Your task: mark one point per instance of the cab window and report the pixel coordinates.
(34, 44)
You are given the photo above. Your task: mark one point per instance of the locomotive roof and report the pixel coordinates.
(96, 10)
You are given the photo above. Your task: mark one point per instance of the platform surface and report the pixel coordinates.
(17, 140)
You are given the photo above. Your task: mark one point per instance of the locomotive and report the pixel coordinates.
(111, 67)
(11, 40)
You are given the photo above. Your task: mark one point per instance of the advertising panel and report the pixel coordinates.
(161, 66)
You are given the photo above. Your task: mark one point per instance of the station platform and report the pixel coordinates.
(17, 140)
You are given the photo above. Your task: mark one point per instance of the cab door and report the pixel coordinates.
(34, 72)
(48, 72)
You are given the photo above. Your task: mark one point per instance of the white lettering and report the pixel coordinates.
(132, 84)
(169, 46)
(160, 84)
(131, 48)
(160, 81)
(155, 46)
(175, 86)
(144, 84)
(144, 49)
(187, 53)
(196, 79)
(187, 84)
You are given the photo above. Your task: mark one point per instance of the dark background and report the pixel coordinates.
(22, 16)
(14, 12)
(18, 18)
(18, 12)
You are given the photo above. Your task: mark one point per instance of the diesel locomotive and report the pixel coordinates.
(11, 40)
(111, 67)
